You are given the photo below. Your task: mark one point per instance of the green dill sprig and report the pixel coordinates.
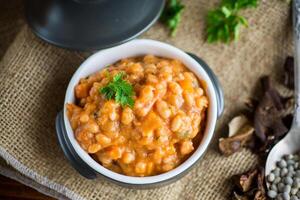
(119, 90)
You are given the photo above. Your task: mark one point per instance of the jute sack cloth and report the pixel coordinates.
(34, 76)
(11, 21)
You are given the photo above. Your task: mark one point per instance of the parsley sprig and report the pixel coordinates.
(224, 22)
(119, 90)
(171, 15)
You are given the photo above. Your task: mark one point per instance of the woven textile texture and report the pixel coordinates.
(34, 76)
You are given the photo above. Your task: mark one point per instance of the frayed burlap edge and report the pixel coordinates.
(12, 174)
(42, 182)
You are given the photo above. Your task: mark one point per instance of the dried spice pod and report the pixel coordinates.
(268, 113)
(245, 181)
(261, 192)
(250, 185)
(240, 134)
(236, 124)
(289, 72)
(259, 196)
(230, 145)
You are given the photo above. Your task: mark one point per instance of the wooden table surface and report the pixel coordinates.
(12, 190)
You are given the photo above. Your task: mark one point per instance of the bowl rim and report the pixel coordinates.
(141, 47)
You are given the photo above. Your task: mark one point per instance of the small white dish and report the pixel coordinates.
(134, 48)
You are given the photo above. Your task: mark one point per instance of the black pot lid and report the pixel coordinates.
(91, 24)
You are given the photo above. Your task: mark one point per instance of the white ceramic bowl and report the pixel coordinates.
(140, 47)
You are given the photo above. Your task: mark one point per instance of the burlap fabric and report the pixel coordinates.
(34, 76)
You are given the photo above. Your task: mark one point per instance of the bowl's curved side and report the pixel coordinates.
(136, 48)
(215, 81)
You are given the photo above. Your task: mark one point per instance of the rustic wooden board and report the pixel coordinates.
(13, 190)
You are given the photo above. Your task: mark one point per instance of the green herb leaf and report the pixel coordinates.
(237, 32)
(239, 4)
(224, 23)
(171, 15)
(226, 11)
(119, 90)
